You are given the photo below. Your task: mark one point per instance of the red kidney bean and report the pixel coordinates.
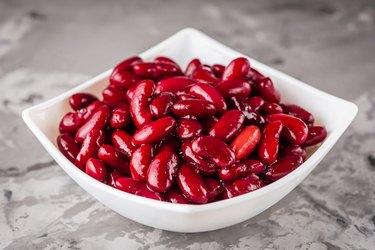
(192, 184)
(168, 69)
(71, 122)
(267, 90)
(241, 169)
(197, 108)
(127, 64)
(113, 158)
(139, 162)
(228, 125)
(214, 187)
(174, 195)
(89, 109)
(248, 184)
(154, 131)
(244, 143)
(209, 93)
(139, 108)
(288, 150)
(214, 149)
(120, 118)
(90, 147)
(81, 100)
(204, 166)
(162, 171)
(236, 69)
(67, 146)
(254, 75)
(282, 167)
(183, 96)
(123, 141)
(316, 135)
(218, 70)
(170, 142)
(99, 120)
(164, 59)
(192, 66)
(272, 108)
(229, 191)
(112, 177)
(96, 169)
(147, 70)
(296, 130)
(130, 93)
(208, 123)
(255, 102)
(253, 118)
(238, 88)
(161, 105)
(123, 79)
(139, 188)
(114, 94)
(203, 74)
(188, 128)
(269, 144)
(300, 113)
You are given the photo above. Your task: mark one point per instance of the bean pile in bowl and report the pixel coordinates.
(208, 133)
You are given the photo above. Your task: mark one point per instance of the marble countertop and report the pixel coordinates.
(48, 47)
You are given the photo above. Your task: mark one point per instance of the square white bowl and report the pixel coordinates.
(335, 113)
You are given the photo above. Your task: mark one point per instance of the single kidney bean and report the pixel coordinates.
(114, 94)
(269, 144)
(296, 130)
(188, 128)
(266, 89)
(282, 167)
(197, 108)
(244, 143)
(168, 69)
(112, 177)
(127, 64)
(248, 184)
(241, 169)
(139, 108)
(169, 142)
(203, 74)
(81, 100)
(192, 184)
(228, 125)
(161, 105)
(123, 79)
(204, 166)
(174, 195)
(272, 108)
(120, 117)
(218, 70)
(89, 147)
(113, 158)
(238, 88)
(96, 169)
(162, 171)
(214, 187)
(236, 69)
(214, 149)
(89, 109)
(99, 120)
(209, 93)
(255, 102)
(288, 150)
(123, 141)
(254, 75)
(130, 93)
(316, 135)
(229, 191)
(140, 160)
(208, 123)
(139, 188)
(173, 84)
(146, 70)
(300, 113)
(192, 66)
(154, 131)
(67, 146)
(71, 122)
(164, 59)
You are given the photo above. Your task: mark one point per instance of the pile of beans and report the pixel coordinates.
(196, 136)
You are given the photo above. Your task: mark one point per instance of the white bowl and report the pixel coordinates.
(335, 113)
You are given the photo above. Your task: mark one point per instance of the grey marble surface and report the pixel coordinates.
(47, 47)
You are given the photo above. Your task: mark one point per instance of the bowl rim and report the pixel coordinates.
(350, 108)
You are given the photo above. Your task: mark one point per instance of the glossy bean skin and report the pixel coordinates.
(214, 149)
(114, 94)
(316, 135)
(162, 171)
(267, 90)
(189, 128)
(139, 105)
(140, 161)
(139, 188)
(214, 187)
(112, 177)
(67, 146)
(197, 108)
(174, 195)
(173, 84)
(252, 117)
(269, 144)
(130, 93)
(205, 75)
(161, 105)
(154, 131)
(236, 69)
(164, 59)
(248, 184)
(255, 102)
(146, 70)
(167, 69)
(124, 79)
(241, 169)
(228, 191)
(123, 141)
(208, 123)
(87, 111)
(299, 112)
(184, 96)
(218, 70)
(288, 150)
(96, 169)
(282, 167)
(94, 139)
(169, 142)
(114, 158)
(296, 130)
(209, 93)
(81, 100)
(204, 166)
(71, 122)
(191, 184)
(245, 142)
(272, 108)
(238, 88)
(120, 117)
(228, 125)
(192, 66)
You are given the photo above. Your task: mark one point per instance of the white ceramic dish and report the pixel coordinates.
(336, 114)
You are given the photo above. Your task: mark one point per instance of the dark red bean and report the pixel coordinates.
(269, 144)
(241, 169)
(255, 102)
(218, 70)
(161, 105)
(228, 125)
(89, 109)
(192, 66)
(112, 177)
(71, 122)
(147, 70)
(168, 69)
(96, 169)
(169, 142)
(214, 187)
(208, 123)
(197, 108)
(123, 141)
(90, 147)
(245, 142)
(123, 79)
(188, 128)
(253, 118)
(174, 195)
(114, 158)
(282, 167)
(164, 59)
(238, 88)
(300, 113)
(114, 94)
(67, 146)
(209, 93)
(154, 131)
(272, 108)
(130, 93)
(267, 90)
(139, 188)
(127, 64)
(254, 75)
(205, 75)
(229, 191)
(120, 117)
(236, 69)
(248, 184)
(139, 108)
(139, 162)
(183, 96)
(204, 166)
(288, 150)
(81, 100)
(316, 135)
